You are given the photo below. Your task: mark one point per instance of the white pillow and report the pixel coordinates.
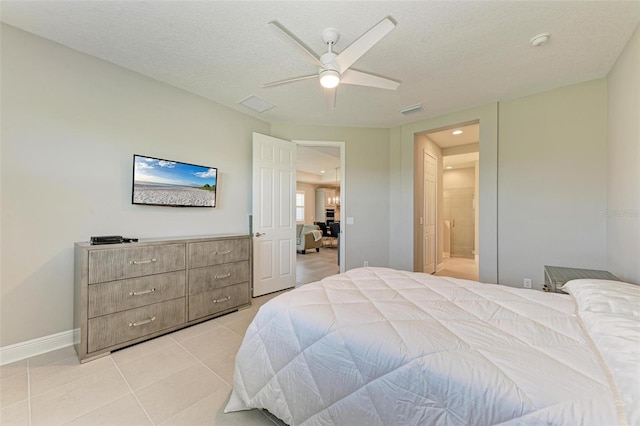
(604, 296)
(610, 310)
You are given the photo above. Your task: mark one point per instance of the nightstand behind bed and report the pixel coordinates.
(556, 276)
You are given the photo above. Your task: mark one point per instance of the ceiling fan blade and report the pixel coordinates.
(330, 97)
(359, 47)
(365, 79)
(290, 80)
(295, 43)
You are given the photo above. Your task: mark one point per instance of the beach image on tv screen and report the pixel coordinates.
(170, 183)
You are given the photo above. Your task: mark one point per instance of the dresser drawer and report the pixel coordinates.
(216, 252)
(218, 276)
(214, 301)
(116, 296)
(115, 264)
(109, 330)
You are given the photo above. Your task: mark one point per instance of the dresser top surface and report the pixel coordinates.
(164, 240)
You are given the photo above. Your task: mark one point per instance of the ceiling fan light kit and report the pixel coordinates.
(329, 78)
(334, 68)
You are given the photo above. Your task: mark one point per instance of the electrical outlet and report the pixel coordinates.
(366, 263)
(527, 283)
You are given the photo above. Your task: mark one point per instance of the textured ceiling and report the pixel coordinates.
(448, 55)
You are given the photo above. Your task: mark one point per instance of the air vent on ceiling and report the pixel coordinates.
(256, 103)
(412, 109)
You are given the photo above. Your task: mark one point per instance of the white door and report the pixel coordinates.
(429, 214)
(274, 219)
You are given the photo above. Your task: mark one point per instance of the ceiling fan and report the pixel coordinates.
(334, 68)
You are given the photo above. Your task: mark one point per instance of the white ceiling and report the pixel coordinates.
(446, 138)
(318, 164)
(448, 55)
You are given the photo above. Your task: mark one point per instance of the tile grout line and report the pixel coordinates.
(160, 379)
(132, 392)
(217, 375)
(202, 363)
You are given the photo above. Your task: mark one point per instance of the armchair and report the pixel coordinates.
(325, 232)
(305, 238)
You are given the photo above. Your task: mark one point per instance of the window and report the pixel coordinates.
(300, 206)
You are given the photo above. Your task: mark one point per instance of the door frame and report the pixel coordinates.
(343, 207)
(434, 207)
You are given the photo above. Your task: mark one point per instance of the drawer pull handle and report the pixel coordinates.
(138, 293)
(140, 262)
(143, 322)
(218, 277)
(223, 252)
(224, 299)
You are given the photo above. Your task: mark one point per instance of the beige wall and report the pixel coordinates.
(459, 178)
(403, 218)
(366, 187)
(459, 193)
(548, 141)
(552, 182)
(70, 125)
(476, 218)
(623, 189)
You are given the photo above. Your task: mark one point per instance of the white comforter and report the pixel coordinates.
(376, 346)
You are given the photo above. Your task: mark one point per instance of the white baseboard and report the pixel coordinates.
(24, 350)
(446, 254)
(439, 267)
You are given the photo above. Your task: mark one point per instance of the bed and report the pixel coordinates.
(377, 346)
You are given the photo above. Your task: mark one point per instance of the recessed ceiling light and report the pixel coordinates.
(321, 171)
(448, 167)
(457, 132)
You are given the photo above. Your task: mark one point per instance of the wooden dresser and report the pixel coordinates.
(130, 292)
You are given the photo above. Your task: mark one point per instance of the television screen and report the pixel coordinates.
(171, 183)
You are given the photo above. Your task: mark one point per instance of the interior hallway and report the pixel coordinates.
(315, 266)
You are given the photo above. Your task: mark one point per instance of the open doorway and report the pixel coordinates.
(320, 205)
(452, 172)
(460, 214)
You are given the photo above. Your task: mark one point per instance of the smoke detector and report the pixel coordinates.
(540, 39)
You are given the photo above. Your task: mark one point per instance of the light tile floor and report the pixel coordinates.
(459, 267)
(314, 265)
(183, 378)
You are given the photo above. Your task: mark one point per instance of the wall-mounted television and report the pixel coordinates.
(159, 182)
